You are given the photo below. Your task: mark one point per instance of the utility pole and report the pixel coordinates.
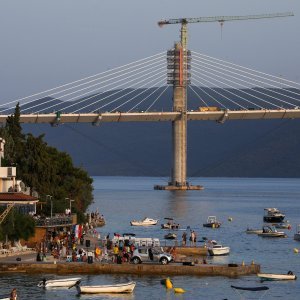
(51, 204)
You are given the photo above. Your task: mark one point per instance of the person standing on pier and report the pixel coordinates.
(195, 238)
(184, 239)
(192, 238)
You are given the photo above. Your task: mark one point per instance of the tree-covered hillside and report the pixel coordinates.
(46, 170)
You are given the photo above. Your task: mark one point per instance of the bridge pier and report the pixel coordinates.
(178, 62)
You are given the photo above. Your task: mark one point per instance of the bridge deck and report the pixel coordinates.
(96, 118)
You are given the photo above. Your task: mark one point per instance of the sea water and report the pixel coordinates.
(122, 199)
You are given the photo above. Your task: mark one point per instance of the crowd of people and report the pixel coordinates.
(63, 244)
(80, 243)
(75, 245)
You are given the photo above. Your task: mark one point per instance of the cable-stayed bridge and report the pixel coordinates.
(222, 90)
(219, 91)
(176, 86)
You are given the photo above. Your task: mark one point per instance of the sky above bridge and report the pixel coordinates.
(45, 44)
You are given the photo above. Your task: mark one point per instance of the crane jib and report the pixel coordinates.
(224, 18)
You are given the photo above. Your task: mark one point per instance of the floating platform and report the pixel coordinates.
(179, 188)
(228, 270)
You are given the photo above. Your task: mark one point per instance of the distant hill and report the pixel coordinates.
(257, 148)
(261, 148)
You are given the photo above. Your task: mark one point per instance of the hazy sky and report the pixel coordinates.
(48, 43)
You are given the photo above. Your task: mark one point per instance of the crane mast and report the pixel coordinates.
(179, 76)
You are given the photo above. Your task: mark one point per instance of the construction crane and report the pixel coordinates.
(178, 60)
(6, 212)
(220, 19)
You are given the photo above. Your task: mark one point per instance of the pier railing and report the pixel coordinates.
(54, 221)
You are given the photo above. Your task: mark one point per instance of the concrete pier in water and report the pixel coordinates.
(231, 270)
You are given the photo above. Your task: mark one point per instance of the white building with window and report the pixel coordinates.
(8, 181)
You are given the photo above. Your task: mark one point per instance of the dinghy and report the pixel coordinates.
(253, 289)
(114, 288)
(256, 290)
(288, 276)
(59, 283)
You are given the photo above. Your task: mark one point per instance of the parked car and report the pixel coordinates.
(151, 254)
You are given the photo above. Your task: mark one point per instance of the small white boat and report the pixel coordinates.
(215, 249)
(288, 276)
(144, 222)
(270, 231)
(114, 288)
(297, 234)
(59, 283)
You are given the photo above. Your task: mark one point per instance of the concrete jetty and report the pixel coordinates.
(63, 268)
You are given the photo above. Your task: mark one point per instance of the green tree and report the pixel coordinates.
(14, 130)
(17, 226)
(46, 170)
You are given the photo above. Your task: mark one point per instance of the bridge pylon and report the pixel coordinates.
(179, 76)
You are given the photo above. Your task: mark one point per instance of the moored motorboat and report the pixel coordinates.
(63, 282)
(170, 236)
(270, 231)
(170, 224)
(283, 225)
(215, 249)
(288, 276)
(297, 234)
(144, 222)
(113, 288)
(273, 215)
(212, 222)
